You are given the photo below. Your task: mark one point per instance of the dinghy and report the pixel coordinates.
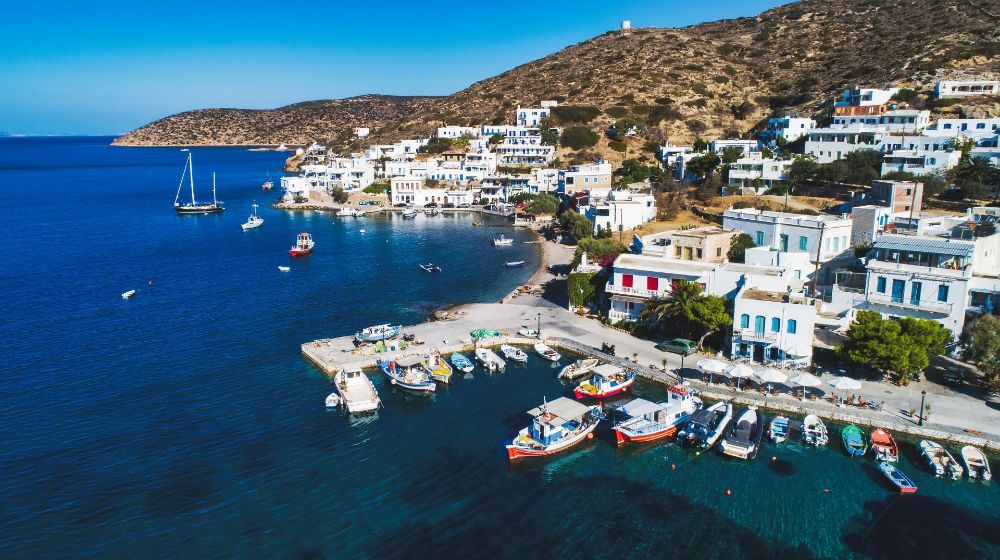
(814, 431)
(512, 353)
(430, 267)
(514, 264)
(578, 368)
(884, 446)
(853, 439)
(502, 241)
(939, 460)
(546, 353)
(461, 362)
(976, 463)
(489, 359)
(409, 376)
(706, 426)
(284, 268)
(778, 430)
(128, 294)
(897, 478)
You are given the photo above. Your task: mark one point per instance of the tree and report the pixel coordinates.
(377, 188)
(900, 346)
(544, 203)
(577, 225)
(339, 195)
(801, 170)
(521, 197)
(699, 145)
(703, 166)
(973, 174)
(603, 251)
(435, 146)
(686, 309)
(731, 154)
(577, 137)
(567, 114)
(982, 348)
(460, 143)
(963, 144)
(933, 184)
(738, 246)
(621, 128)
(497, 139)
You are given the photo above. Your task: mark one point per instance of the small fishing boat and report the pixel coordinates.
(410, 377)
(430, 267)
(556, 426)
(376, 333)
(502, 241)
(578, 368)
(356, 390)
(268, 183)
(489, 359)
(303, 245)
(778, 430)
(436, 367)
(884, 446)
(976, 463)
(362, 230)
(284, 268)
(431, 212)
(547, 353)
(648, 421)
(939, 460)
(254, 221)
(461, 362)
(705, 426)
(345, 212)
(528, 333)
(195, 207)
(607, 380)
(745, 434)
(897, 478)
(409, 213)
(128, 294)
(514, 264)
(814, 431)
(358, 213)
(853, 439)
(512, 353)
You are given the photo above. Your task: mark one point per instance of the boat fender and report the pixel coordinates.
(590, 435)
(673, 466)
(773, 458)
(729, 492)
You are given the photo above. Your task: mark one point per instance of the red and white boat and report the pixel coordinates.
(884, 446)
(648, 421)
(303, 245)
(608, 380)
(557, 426)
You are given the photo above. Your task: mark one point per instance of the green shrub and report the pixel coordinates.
(616, 111)
(578, 137)
(575, 114)
(618, 145)
(435, 146)
(720, 79)
(377, 188)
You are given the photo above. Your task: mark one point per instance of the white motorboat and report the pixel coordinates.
(976, 463)
(502, 241)
(345, 212)
(254, 221)
(814, 431)
(547, 353)
(489, 359)
(128, 294)
(529, 333)
(284, 268)
(705, 426)
(356, 390)
(939, 460)
(512, 353)
(743, 439)
(409, 213)
(578, 368)
(358, 213)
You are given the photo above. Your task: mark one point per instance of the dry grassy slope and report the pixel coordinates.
(789, 59)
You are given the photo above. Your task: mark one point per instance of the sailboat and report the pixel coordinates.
(268, 183)
(195, 207)
(254, 221)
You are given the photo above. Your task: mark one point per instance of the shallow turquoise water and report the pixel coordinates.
(185, 424)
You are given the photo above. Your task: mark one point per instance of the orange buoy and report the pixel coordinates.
(673, 466)
(590, 435)
(827, 490)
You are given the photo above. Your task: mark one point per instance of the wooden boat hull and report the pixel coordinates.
(898, 479)
(883, 446)
(516, 452)
(617, 390)
(622, 436)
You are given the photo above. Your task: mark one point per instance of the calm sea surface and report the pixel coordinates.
(185, 424)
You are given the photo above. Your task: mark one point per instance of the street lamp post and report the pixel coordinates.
(539, 329)
(920, 422)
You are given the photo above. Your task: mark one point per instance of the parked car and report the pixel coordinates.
(447, 205)
(464, 205)
(953, 378)
(400, 205)
(680, 346)
(431, 205)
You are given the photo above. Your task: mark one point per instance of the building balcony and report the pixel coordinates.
(961, 271)
(632, 291)
(750, 335)
(936, 307)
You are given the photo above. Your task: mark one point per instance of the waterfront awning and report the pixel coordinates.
(914, 244)
(709, 365)
(563, 408)
(640, 407)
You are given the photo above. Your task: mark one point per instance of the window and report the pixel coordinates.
(898, 286)
(792, 325)
(775, 324)
(942, 293)
(744, 321)
(783, 242)
(798, 274)
(947, 126)
(980, 126)
(652, 283)
(626, 280)
(915, 293)
(718, 251)
(677, 251)
(758, 324)
(699, 253)
(803, 243)
(760, 238)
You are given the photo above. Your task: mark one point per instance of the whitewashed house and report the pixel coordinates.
(668, 154)
(578, 178)
(830, 144)
(790, 128)
(621, 210)
(523, 146)
(772, 326)
(758, 172)
(453, 132)
(534, 116)
(413, 190)
(362, 132)
(975, 128)
(966, 88)
(920, 162)
(823, 237)
(745, 146)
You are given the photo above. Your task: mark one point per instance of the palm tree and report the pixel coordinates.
(675, 308)
(975, 171)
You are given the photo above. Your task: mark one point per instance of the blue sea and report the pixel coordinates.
(184, 423)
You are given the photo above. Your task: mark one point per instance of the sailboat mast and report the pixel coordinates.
(215, 201)
(191, 166)
(180, 185)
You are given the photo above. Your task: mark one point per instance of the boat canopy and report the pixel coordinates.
(608, 370)
(562, 407)
(702, 416)
(640, 407)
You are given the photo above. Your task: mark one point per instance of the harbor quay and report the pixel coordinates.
(959, 418)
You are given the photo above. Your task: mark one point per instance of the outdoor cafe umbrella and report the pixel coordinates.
(806, 380)
(771, 375)
(710, 366)
(844, 384)
(740, 371)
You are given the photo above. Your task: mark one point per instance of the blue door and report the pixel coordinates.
(758, 324)
(897, 290)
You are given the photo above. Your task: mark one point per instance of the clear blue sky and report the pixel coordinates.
(107, 67)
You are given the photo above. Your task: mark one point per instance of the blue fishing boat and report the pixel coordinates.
(461, 362)
(408, 374)
(854, 441)
(377, 332)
